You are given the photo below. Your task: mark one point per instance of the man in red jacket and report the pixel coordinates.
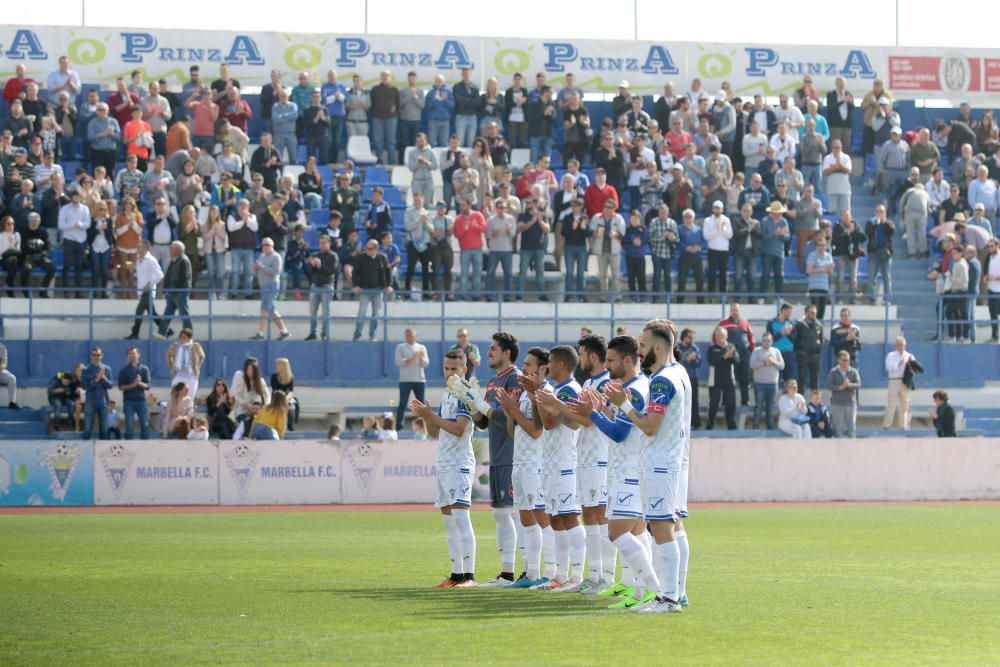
(599, 192)
(740, 335)
(121, 102)
(469, 229)
(14, 90)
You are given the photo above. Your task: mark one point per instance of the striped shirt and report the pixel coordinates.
(895, 155)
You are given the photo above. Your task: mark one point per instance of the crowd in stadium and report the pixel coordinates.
(706, 184)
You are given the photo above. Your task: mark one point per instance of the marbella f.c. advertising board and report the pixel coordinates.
(102, 54)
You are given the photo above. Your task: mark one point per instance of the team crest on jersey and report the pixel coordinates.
(364, 461)
(242, 462)
(117, 462)
(60, 463)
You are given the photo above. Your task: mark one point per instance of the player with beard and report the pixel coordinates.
(487, 414)
(529, 494)
(665, 426)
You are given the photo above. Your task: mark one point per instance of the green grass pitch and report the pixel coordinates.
(817, 585)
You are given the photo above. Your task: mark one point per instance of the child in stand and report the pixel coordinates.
(368, 430)
(391, 252)
(388, 430)
(334, 432)
(200, 429)
(114, 431)
(419, 429)
(298, 251)
(819, 416)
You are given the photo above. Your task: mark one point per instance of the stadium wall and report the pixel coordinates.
(251, 473)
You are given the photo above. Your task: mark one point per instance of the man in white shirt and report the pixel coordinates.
(837, 177)
(156, 111)
(783, 144)
(411, 359)
(718, 230)
(791, 116)
(74, 221)
(899, 392)
(147, 274)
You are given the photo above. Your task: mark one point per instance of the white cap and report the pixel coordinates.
(883, 100)
(896, 130)
(979, 207)
(623, 83)
(717, 204)
(720, 96)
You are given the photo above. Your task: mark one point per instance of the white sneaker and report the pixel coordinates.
(571, 586)
(660, 606)
(498, 582)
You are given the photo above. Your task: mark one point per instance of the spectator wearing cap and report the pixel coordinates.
(269, 267)
(606, 232)
(870, 106)
(882, 123)
(622, 102)
(774, 230)
(979, 219)
(680, 191)
(718, 231)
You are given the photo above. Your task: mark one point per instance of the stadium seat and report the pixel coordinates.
(311, 236)
(319, 217)
(376, 176)
(294, 170)
(301, 153)
(326, 173)
(359, 149)
(518, 158)
(402, 178)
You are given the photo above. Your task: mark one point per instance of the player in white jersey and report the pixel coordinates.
(529, 493)
(592, 471)
(625, 510)
(559, 469)
(665, 426)
(452, 426)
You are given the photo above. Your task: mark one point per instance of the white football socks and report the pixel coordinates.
(577, 550)
(669, 556)
(519, 533)
(506, 538)
(454, 543)
(562, 556)
(467, 540)
(595, 556)
(682, 570)
(609, 556)
(549, 551)
(532, 551)
(631, 551)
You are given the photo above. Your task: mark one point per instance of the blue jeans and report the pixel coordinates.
(763, 399)
(661, 274)
(503, 258)
(313, 201)
(772, 265)
(529, 257)
(539, 146)
(288, 142)
(176, 303)
(384, 135)
(408, 130)
(100, 264)
(73, 258)
(135, 409)
(970, 308)
(402, 406)
(319, 147)
(241, 259)
(576, 269)
(320, 295)
(877, 266)
(437, 132)
(472, 271)
(215, 263)
(262, 432)
(466, 126)
(95, 410)
(791, 369)
(743, 266)
(61, 402)
(811, 173)
(336, 130)
(366, 298)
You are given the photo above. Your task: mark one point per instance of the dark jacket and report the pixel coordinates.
(258, 164)
(371, 272)
(909, 373)
(819, 413)
(466, 99)
(833, 118)
(839, 340)
(847, 244)
(109, 233)
(808, 337)
(721, 370)
(178, 273)
(870, 232)
(539, 125)
(326, 271)
(268, 227)
(945, 422)
(738, 244)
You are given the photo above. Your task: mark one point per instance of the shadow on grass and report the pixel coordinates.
(485, 603)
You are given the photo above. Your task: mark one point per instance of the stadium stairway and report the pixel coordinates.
(22, 424)
(986, 420)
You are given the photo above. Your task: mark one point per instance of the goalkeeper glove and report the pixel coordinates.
(467, 391)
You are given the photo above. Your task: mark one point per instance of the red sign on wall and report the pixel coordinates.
(938, 74)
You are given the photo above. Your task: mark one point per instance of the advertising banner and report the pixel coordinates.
(46, 473)
(168, 472)
(278, 472)
(389, 472)
(102, 54)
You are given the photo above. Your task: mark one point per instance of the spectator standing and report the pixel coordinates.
(840, 113)
(134, 380)
(943, 415)
(837, 177)
(740, 334)
(819, 268)
(411, 359)
(358, 103)
(322, 271)
(663, 240)
(782, 331)
(722, 360)
(442, 254)
(8, 379)
(606, 233)
(575, 228)
(420, 229)
(900, 366)
(500, 231)
(792, 417)
(766, 364)
(635, 244)
(808, 346)
(774, 230)
(96, 383)
(242, 227)
(515, 98)
(74, 223)
(385, 118)
(844, 383)
(533, 230)
(691, 241)
(269, 267)
(540, 114)
(177, 287)
(812, 148)
(185, 357)
(334, 96)
(718, 231)
(846, 337)
(746, 243)
(412, 101)
(147, 274)
(316, 121)
(469, 349)
(975, 280)
(691, 361)
(848, 245)
(371, 278)
(470, 226)
(879, 231)
(466, 108)
(423, 163)
(284, 115)
(915, 207)
(440, 103)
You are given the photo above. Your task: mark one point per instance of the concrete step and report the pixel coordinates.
(11, 429)
(8, 415)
